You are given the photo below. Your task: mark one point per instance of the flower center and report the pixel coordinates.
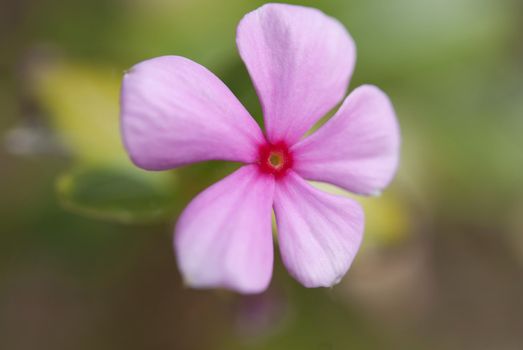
(274, 158)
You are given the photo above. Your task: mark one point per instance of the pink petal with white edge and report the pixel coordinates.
(300, 61)
(174, 112)
(224, 237)
(358, 148)
(319, 234)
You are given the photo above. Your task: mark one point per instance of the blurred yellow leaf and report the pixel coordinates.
(82, 103)
(387, 218)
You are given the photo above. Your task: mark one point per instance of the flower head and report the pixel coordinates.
(176, 112)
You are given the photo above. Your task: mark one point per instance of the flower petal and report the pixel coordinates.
(300, 61)
(174, 112)
(318, 233)
(358, 148)
(224, 237)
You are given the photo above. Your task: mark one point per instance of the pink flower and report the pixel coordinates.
(176, 112)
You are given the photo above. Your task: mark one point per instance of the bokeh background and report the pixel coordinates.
(85, 238)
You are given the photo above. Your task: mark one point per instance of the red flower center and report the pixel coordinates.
(275, 158)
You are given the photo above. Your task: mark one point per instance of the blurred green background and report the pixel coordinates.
(85, 241)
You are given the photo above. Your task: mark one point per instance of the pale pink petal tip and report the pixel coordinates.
(358, 148)
(300, 61)
(174, 112)
(224, 237)
(319, 234)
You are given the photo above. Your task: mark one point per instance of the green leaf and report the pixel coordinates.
(125, 195)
